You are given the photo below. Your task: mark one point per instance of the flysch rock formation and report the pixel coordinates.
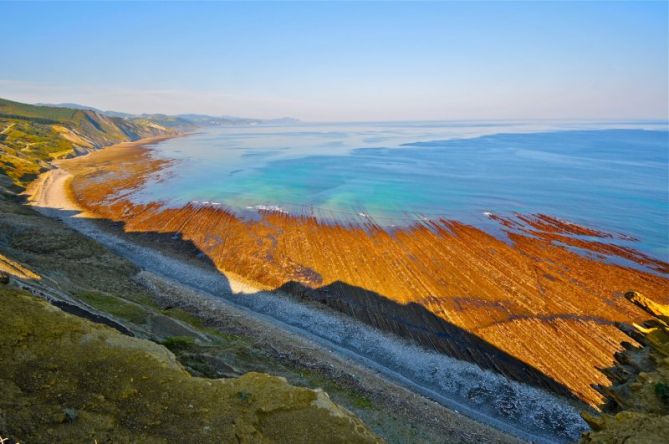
(541, 306)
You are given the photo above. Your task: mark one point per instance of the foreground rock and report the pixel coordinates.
(638, 401)
(66, 379)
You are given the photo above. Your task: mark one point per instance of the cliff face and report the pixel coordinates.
(66, 379)
(31, 136)
(637, 407)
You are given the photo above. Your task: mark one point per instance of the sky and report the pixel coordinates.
(342, 61)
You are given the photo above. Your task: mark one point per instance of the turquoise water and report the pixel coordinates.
(613, 176)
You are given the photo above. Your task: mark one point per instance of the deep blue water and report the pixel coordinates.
(610, 176)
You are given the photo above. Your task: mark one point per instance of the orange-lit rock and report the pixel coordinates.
(532, 298)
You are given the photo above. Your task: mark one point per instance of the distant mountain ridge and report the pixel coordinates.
(182, 120)
(33, 135)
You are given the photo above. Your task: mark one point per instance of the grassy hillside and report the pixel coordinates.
(65, 379)
(31, 136)
(26, 111)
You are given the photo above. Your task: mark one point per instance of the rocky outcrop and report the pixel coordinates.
(65, 379)
(637, 408)
(550, 310)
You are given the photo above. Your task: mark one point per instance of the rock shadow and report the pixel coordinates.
(416, 323)
(412, 321)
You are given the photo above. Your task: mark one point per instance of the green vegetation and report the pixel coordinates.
(176, 343)
(184, 316)
(354, 399)
(114, 306)
(27, 146)
(65, 379)
(31, 136)
(662, 391)
(194, 321)
(637, 408)
(45, 114)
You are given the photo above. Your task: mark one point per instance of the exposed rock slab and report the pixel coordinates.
(550, 309)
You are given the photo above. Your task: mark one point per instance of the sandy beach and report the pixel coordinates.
(53, 187)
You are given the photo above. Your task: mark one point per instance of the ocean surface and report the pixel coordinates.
(613, 176)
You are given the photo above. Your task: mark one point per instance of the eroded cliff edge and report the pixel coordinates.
(637, 402)
(66, 378)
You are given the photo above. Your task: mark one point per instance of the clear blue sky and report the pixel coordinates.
(342, 61)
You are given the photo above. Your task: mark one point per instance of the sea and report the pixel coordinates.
(613, 176)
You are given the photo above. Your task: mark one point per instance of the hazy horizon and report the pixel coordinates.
(635, 120)
(338, 62)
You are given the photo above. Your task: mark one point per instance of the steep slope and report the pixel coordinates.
(51, 259)
(67, 379)
(31, 136)
(637, 407)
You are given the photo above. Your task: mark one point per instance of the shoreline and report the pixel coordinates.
(444, 285)
(47, 192)
(57, 182)
(55, 188)
(52, 190)
(68, 200)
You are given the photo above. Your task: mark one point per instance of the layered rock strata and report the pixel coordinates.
(540, 305)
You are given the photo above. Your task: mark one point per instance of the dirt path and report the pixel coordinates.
(10, 126)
